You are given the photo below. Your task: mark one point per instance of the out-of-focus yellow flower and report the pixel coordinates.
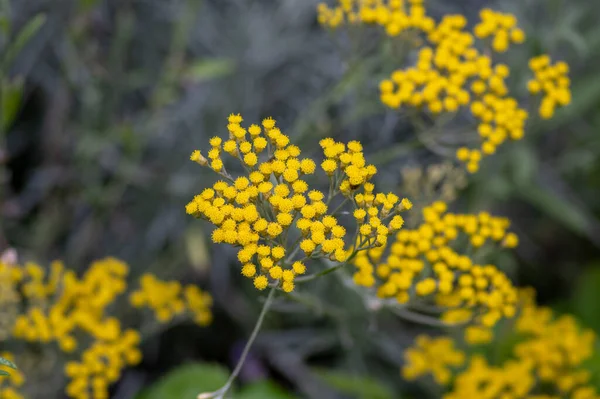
(101, 365)
(60, 306)
(548, 358)
(81, 304)
(422, 264)
(168, 299)
(552, 82)
(452, 73)
(435, 356)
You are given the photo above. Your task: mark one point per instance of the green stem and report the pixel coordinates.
(220, 393)
(339, 206)
(175, 62)
(328, 270)
(332, 192)
(295, 250)
(419, 318)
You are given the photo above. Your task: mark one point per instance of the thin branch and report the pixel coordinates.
(220, 393)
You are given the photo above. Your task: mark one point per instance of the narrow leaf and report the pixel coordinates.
(586, 298)
(355, 385)
(187, 382)
(196, 248)
(11, 102)
(87, 5)
(4, 25)
(263, 390)
(23, 37)
(209, 69)
(557, 208)
(7, 363)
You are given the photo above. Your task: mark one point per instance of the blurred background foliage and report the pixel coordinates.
(103, 100)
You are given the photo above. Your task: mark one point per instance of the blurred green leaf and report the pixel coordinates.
(86, 5)
(585, 305)
(576, 40)
(362, 387)
(593, 366)
(187, 382)
(557, 208)
(4, 19)
(5, 6)
(7, 363)
(353, 77)
(129, 139)
(208, 69)
(395, 151)
(524, 164)
(23, 37)
(592, 39)
(496, 185)
(586, 298)
(11, 102)
(4, 25)
(263, 390)
(196, 248)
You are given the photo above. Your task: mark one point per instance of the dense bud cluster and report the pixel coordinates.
(260, 211)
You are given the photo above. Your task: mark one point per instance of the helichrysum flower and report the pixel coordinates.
(256, 212)
(58, 306)
(422, 265)
(501, 28)
(552, 82)
(101, 365)
(547, 358)
(396, 16)
(451, 71)
(80, 305)
(168, 299)
(435, 356)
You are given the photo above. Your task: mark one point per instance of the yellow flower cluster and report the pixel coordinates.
(480, 380)
(451, 72)
(547, 358)
(454, 74)
(256, 212)
(422, 265)
(101, 365)
(501, 28)
(555, 346)
(81, 303)
(169, 299)
(552, 81)
(9, 384)
(435, 356)
(396, 16)
(61, 307)
(36, 286)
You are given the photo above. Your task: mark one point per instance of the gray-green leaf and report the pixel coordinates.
(187, 382)
(23, 37)
(208, 69)
(263, 390)
(7, 363)
(11, 102)
(362, 387)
